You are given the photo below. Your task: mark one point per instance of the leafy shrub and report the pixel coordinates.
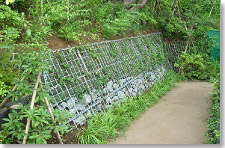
(41, 128)
(30, 63)
(7, 67)
(194, 66)
(11, 25)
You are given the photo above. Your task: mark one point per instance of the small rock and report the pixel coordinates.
(105, 91)
(80, 120)
(121, 94)
(64, 104)
(108, 100)
(130, 90)
(60, 107)
(115, 98)
(122, 82)
(115, 86)
(142, 87)
(70, 103)
(94, 95)
(135, 90)
(88, 114)
(110, 86)
(73, 110)
(134, 94)
(87, 98)
(79, 107)
(139, 81)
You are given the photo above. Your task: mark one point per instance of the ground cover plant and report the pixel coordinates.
(213, 133)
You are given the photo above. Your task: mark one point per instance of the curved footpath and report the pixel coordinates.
(180, 117)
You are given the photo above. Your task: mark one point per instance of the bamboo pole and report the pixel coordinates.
(51, 114)
(212, 8)
(31, 107)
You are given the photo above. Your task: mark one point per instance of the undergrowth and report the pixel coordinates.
(109, 124)
(213, 133)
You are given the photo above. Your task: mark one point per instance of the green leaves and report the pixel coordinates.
(28, 32)
(213, 133)
(194, 66)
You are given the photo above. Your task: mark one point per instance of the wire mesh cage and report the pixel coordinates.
(88, 79)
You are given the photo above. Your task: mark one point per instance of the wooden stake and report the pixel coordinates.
(52, 117)
(31, 107)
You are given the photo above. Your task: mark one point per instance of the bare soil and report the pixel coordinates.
(180, 117)
(56, 42)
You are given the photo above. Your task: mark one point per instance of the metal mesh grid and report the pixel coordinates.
(87, 79)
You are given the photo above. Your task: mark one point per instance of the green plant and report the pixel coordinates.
(7, 67)
(41, 127)
(11, 25)
(3, 89)
(194, 66)
(116, 119)
(30, 63)
(213, 133)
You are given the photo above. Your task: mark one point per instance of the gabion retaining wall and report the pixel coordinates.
(88, 79)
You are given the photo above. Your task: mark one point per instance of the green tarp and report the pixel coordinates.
(215, 35)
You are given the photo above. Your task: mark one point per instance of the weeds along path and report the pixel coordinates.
(180, 117)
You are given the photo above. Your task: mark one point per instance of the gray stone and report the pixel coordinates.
(64, 104)
(121, 94)
(99, 98)
(79, 107)
(73, 110)
(99, 107)
(105, 91)
(88, 114)
(122, 82)
(110, 86)
(115, 98)
(60, 107)
(70, 103)
(94, 95)
(139, 82)
(80, 120)
(153, 77)
(108, 100)
(130, 90)
(135, 90)
(134, 94)
(142, 87)
(87, 98)
(115, 86)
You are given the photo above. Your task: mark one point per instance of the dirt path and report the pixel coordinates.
(180, 117)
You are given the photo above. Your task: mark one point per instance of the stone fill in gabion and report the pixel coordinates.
(88, 79)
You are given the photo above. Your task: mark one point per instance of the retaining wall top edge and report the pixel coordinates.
(62, 49)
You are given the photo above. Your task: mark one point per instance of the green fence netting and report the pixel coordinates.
(215, 35)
